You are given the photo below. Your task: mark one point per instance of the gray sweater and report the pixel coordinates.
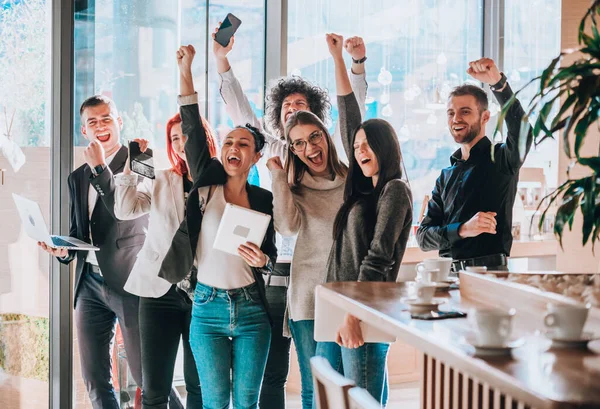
(362, 254)
(310, 211)
(359, 256)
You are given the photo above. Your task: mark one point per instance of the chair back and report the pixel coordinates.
(330, 387)
(359, 398)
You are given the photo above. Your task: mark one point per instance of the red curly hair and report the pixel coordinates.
(179, 165)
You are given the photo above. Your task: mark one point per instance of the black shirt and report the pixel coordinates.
(477, 184)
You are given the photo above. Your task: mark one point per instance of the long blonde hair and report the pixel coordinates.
(294, 166)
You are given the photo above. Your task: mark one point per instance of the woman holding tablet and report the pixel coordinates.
(230, 329)
(165, 309)
(370, 231)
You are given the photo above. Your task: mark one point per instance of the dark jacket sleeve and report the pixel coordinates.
(508, 154)
(268, 246)
(433, 234)
(349, 120)
(394, 217)
(196, 146)
(72, 222)
(104, 184)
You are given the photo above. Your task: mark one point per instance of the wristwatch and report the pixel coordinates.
(362, 60)
(96, 170)
(269, 264)
(500, 84)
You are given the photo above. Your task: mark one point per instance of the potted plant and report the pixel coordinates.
(575, 88)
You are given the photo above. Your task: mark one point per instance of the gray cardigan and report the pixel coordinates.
(362, 254)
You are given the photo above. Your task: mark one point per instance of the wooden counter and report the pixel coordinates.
(452, 377)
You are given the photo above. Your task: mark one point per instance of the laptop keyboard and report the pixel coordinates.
(58, 242)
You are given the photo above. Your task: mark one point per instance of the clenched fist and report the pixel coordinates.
(355, 46)
(482, 222)
(274, 163)
(335, 43)
(94, 154)
(484, 70)
(185, 56)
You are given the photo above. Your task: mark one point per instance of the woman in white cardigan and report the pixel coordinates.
(165, 309)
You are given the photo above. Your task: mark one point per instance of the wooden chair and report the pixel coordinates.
(361, 399)
(331, 388)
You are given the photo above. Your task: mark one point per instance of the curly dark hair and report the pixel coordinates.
(317, 97)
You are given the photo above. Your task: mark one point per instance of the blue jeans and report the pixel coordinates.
(367, 365)
(303, 333)
(229, 335)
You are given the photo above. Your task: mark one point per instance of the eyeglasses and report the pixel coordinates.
(299, 145)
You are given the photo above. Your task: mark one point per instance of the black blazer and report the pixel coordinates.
(119, 241)
(207, 171)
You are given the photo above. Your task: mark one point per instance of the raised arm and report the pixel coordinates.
(196, 147)
(349, 110)
(509, 156)
(394, 218)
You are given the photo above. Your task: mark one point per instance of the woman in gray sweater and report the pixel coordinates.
(370, 234)
(307, 195)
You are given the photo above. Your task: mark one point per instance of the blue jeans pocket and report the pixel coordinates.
(253, 295)
(203, 297)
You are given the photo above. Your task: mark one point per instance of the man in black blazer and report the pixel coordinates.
(100, 276)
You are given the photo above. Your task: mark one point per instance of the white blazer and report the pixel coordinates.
(163, 199)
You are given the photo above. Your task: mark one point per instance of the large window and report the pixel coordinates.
(417, 51)
(25, 154)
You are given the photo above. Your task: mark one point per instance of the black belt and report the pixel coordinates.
(493, 260)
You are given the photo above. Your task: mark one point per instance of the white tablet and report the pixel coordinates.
(238, 226)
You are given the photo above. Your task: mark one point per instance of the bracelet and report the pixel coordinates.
(362, 60)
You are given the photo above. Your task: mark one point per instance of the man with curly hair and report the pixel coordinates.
(286, 96)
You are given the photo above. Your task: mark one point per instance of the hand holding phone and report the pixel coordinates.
(227, 29)
(141, 162)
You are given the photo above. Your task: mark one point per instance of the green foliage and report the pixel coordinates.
(25, 346)
(577, 88)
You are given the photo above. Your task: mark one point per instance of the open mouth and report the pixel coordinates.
(458, 128)
(364, 161)
(316, 158)
(234, 160)
(103, 137)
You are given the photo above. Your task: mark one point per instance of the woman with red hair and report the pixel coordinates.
(165, 309)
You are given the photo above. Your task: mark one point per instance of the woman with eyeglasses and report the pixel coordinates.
(370, 231)
(307, 195)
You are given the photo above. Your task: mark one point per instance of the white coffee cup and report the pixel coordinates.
(424, 292)
(566, 320)
(441, 263)
(476, 269)
(492, 326)
(431, 276)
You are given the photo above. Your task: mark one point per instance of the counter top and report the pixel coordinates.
(536, 375)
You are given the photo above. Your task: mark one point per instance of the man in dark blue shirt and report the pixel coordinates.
(469, 216)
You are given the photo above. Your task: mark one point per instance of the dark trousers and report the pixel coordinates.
(96, 314)
(272, 394)
(163, 322)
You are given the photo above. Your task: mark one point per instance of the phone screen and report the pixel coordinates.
(227, 29)
(141, 163)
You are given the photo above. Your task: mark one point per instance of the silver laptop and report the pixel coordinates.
(35, 227)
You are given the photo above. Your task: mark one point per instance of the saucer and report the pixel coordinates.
(450, 280)
(415, 304)
(494, 350)
(579, 342)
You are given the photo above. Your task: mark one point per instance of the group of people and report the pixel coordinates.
(158, 274)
